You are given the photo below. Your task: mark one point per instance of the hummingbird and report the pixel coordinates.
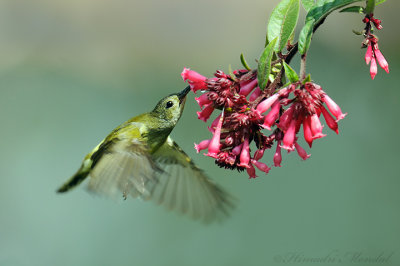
(139, 159)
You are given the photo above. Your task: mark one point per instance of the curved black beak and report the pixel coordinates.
(182, 94)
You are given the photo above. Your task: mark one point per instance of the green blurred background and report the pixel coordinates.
(70, 71)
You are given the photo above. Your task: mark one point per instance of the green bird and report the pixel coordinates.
(139, 159)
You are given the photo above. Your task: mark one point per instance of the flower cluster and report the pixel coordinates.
(373, 53)
(249, 114)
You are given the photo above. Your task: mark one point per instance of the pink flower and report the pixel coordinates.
(245, 154)
(307, 131)
(202, 145)
(259, 154)
(236, 151)
(330, 121)
(368, 54)
(286, 118)
(278, 155)
(246, 88)
(381, 60)
(316, 127)
(333, 107)
(203, 99)
(266, 104)
(214, 123)
(195, 80)
(271, 117)
(254, 95)
(261, 166)
(288, 138)
(206, 112)
(213, 147)
(373, 70)
(251, 171)
(301, 152)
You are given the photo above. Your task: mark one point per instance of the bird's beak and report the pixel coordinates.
(182, 94)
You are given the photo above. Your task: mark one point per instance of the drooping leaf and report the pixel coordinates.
(290, 73)
(308, 4)
(244, 63)
(353, 9)
(264, 64)
(316, 15)
(282, 22)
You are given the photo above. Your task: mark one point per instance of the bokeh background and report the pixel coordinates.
(70, 71)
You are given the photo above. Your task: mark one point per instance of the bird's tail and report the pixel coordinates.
(75, 180)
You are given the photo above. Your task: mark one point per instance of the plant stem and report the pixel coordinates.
(303, 67)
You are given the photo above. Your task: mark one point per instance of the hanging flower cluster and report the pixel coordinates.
(249, 115)
(373, 54)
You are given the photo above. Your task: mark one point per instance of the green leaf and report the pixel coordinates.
(353, 9)
(305, 37)
(264, 64)
(308, 4)
(244, 63)
(316, 15)
(378, 2)
(307, 79)
(282, 22)
(290, 73)
(369, 9)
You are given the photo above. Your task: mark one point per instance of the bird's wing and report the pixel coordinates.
(122, 167)
(182, 186)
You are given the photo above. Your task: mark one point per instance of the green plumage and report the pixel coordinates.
(139, 159)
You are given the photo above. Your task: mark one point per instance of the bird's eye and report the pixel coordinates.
(170, 104)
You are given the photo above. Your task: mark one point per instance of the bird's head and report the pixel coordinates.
(170, 108)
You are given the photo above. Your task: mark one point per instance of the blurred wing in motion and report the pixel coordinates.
(185, 188)
(122, 166)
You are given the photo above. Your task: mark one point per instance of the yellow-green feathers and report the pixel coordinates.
(139, 159)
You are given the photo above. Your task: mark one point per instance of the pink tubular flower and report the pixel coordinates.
(254, 95)
(203, 100)
(202, 145)
(368, 54)
(333, 108)
(373, 70)
(301, 152)
(381, 60)
(288, 138)
(206, 112)
(278, 155)
(251, 171)
(259, 154)
(286, 119)
(213, 147)
(266, 104)
(307, 131)
(330, 121)
(245, 154)
(248, 87)
(272, 116)
(214, 123)
(195, 80)
(247, 111)
(316, 127)
(236, 150)
(261, 166)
